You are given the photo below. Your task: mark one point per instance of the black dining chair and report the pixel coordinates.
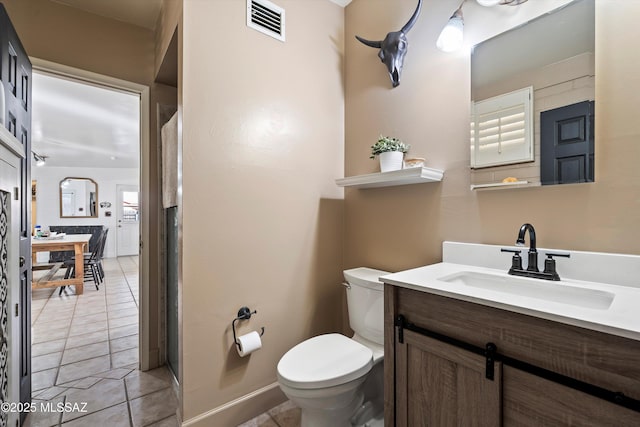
(103, 243)
(93, 268)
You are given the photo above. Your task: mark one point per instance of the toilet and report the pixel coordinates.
(337, 381)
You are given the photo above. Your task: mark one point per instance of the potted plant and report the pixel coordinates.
(391, 152)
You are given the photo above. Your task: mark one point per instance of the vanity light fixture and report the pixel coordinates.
(450, 38)
(40, 159)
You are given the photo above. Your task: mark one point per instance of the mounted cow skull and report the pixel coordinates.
(394, 47)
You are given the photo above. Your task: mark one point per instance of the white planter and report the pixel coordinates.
(391, 161)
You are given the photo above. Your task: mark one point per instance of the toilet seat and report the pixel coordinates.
(324, 361)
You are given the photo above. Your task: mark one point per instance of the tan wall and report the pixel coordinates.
(167, 23)
(54, 32)
(263, 141)
(58, 33)
(402, 227)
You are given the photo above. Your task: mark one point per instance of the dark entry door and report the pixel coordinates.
(15, 73)
(566, 144)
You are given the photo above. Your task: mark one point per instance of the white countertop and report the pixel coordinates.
(621, 318)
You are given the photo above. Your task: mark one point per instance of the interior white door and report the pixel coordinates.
(128, 216)
(9, 283)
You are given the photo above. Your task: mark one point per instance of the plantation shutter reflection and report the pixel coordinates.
(501, 130)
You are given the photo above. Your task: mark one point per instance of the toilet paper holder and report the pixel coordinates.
(243, 314)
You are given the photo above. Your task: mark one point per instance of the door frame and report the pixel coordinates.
(144, 313)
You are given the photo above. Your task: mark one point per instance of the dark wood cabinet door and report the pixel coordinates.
(566, 144)
(441, 385)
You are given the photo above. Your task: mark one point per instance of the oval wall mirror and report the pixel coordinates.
(78, 198)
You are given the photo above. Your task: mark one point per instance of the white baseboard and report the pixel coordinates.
(241, 409)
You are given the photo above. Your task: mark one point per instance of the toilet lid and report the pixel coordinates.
(324, 361)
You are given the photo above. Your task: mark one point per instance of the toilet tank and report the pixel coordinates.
(365, 302)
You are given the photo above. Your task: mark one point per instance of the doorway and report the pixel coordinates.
(108, 209)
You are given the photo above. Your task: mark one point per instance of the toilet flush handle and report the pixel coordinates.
(346, 285)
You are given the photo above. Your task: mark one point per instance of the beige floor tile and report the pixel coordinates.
(263, 420)
(52, 317)
(90, 318)
(84, 311)
(85, 339)
(84, 368)
(53, 328)
(123, 331)
(124, 358)
(114, 416)
(119, 298)
(286, 414)
(122, 321)
(103, 394)
(140, 383)
(116, 374)
(114, 287)
(49, 393)
(123, 313)
(85, 352)
(124, 343)
(91, 296)
(85, 382)
(163, 373)
(172, 421)
(47, 361)
(47, 347)
(43, 336)
(42, 418)
(53, 324)
(43, 379)
(97, 301)
(153, 407)
(121, 306)
(80, 328)
(90, 307)
(53, 311)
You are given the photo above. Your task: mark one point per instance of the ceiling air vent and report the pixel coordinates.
(266, 17)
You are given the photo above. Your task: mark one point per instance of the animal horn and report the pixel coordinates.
(413, 18)
(376, 44)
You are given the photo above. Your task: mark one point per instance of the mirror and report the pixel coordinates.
(555, 54)
(78, 198)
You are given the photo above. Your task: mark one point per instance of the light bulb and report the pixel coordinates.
(450, 38)
(40, 162)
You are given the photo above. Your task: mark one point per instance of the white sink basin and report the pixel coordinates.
(534, 288)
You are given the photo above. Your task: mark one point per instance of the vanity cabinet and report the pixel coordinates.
(436, 367)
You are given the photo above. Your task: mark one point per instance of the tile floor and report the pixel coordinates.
(284, 415)
(85, 350)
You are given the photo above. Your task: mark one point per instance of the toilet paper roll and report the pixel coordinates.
(248, 343)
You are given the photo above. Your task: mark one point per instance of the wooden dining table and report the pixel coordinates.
(70, 242)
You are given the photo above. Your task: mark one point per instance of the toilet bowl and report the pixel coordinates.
(337, 380)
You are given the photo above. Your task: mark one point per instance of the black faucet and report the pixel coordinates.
(532, 270)
(533, 253)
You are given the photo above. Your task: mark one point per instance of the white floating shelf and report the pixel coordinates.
(407, 176)
(497, 185)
